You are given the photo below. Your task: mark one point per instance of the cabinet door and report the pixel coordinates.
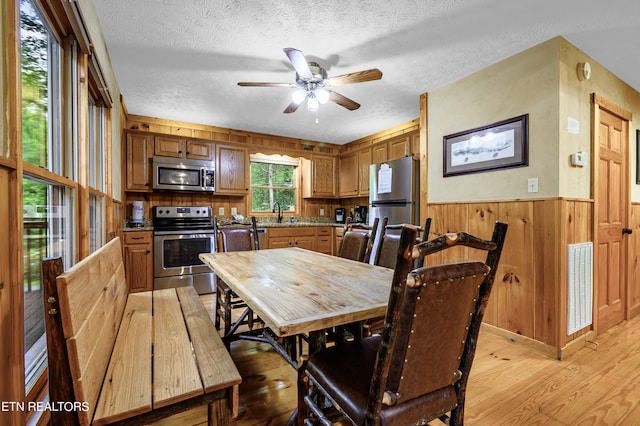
(200, 150)
(364, 161)
(138, 267)
(167, 146)
(280, 242)
(379, 153)
(139, 153)
(324, 170)
(398, 148)
(305, 243)
(348, 165)
(232, 169)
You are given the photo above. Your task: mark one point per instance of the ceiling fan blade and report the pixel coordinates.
(299, 62)
(343, 101)
(293, 106)
(355, 77)
(250, 84)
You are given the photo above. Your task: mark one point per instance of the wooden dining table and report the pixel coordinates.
(296, 291)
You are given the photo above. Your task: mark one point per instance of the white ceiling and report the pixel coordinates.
(181, 59)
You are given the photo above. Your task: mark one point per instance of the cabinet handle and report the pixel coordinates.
(188, 153)
(148, 251)
(626, 231)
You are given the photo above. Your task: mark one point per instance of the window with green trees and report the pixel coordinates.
(47, 205)
(273, 181)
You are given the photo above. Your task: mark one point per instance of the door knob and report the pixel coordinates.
(626, 231)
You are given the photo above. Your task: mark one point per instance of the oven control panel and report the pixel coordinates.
(182, 212)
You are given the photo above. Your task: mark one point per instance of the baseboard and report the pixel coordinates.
(522, 340)
(575, 345)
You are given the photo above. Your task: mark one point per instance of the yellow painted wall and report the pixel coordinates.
(541, 81)
(575, 101)
(526, 83)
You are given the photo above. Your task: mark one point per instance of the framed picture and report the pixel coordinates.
(638, 156)
(494, 146)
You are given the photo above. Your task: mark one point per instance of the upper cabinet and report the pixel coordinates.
(139, 153)
(348, 175)
(354, 173)
(232, 169)
(399, 147)
(364, 163)
(319, 177)
(168, 146)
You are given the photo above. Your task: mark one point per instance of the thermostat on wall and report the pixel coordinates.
(579, 159)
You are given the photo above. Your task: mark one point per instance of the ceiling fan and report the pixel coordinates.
(313, 84)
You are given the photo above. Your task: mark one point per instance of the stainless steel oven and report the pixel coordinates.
(180, 235)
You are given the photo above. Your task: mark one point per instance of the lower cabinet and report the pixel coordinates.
(306, 237)
(138, 260)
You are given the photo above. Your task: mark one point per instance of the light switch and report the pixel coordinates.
(220, 211)
(532, 185)
(321, 212)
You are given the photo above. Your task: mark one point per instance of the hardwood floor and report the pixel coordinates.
(509, 384)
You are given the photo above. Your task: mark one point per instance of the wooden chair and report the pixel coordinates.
(233, 236)
(357, 241)
(387, 257)
(389, 242)
(417, 369)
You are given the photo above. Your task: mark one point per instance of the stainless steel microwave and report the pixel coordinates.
(180, 174)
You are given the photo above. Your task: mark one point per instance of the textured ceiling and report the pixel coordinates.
(181, 59)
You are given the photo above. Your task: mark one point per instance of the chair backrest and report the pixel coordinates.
(357, 241)
(387, 253)
(83, 310)
(237, 236)
(433, 319)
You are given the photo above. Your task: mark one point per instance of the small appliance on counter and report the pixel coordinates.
(341, 214)
(360, 213)
(137, 214)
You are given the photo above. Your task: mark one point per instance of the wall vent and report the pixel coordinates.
(579, 286)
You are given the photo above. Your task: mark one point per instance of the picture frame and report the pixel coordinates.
(637, 156)
(500, 145)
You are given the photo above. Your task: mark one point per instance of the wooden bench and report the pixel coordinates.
(130, 358)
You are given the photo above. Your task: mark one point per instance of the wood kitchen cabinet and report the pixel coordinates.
(324, 239)
(167, 146)
(319, 180)
(232, 169)
(138, 260)
(354, 173)
(379, 153)
(140, 148)
(364, 162)
(399, 147)
(303, 237)
(348, 174)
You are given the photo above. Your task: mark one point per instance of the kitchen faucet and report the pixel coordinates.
(279, 211)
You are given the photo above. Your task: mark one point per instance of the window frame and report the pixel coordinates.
(280, 160)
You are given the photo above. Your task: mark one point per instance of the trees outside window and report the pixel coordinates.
(273, 182)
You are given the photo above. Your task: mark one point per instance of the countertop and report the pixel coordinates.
(148, 226)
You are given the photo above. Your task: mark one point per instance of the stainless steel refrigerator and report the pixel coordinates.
(394, 191)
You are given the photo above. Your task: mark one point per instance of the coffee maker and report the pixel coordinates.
(341, 214)
(360, 213)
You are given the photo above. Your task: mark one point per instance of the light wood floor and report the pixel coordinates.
(509, 384)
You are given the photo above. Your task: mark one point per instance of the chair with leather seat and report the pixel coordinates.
(390, 241)
(387, 256)
(417, 369)
(357, 241)
(233, 236)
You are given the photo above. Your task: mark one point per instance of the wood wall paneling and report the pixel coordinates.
(529, 296)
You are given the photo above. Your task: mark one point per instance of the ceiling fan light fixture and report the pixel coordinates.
(298, 95)
(312, 103)
(322, 95)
